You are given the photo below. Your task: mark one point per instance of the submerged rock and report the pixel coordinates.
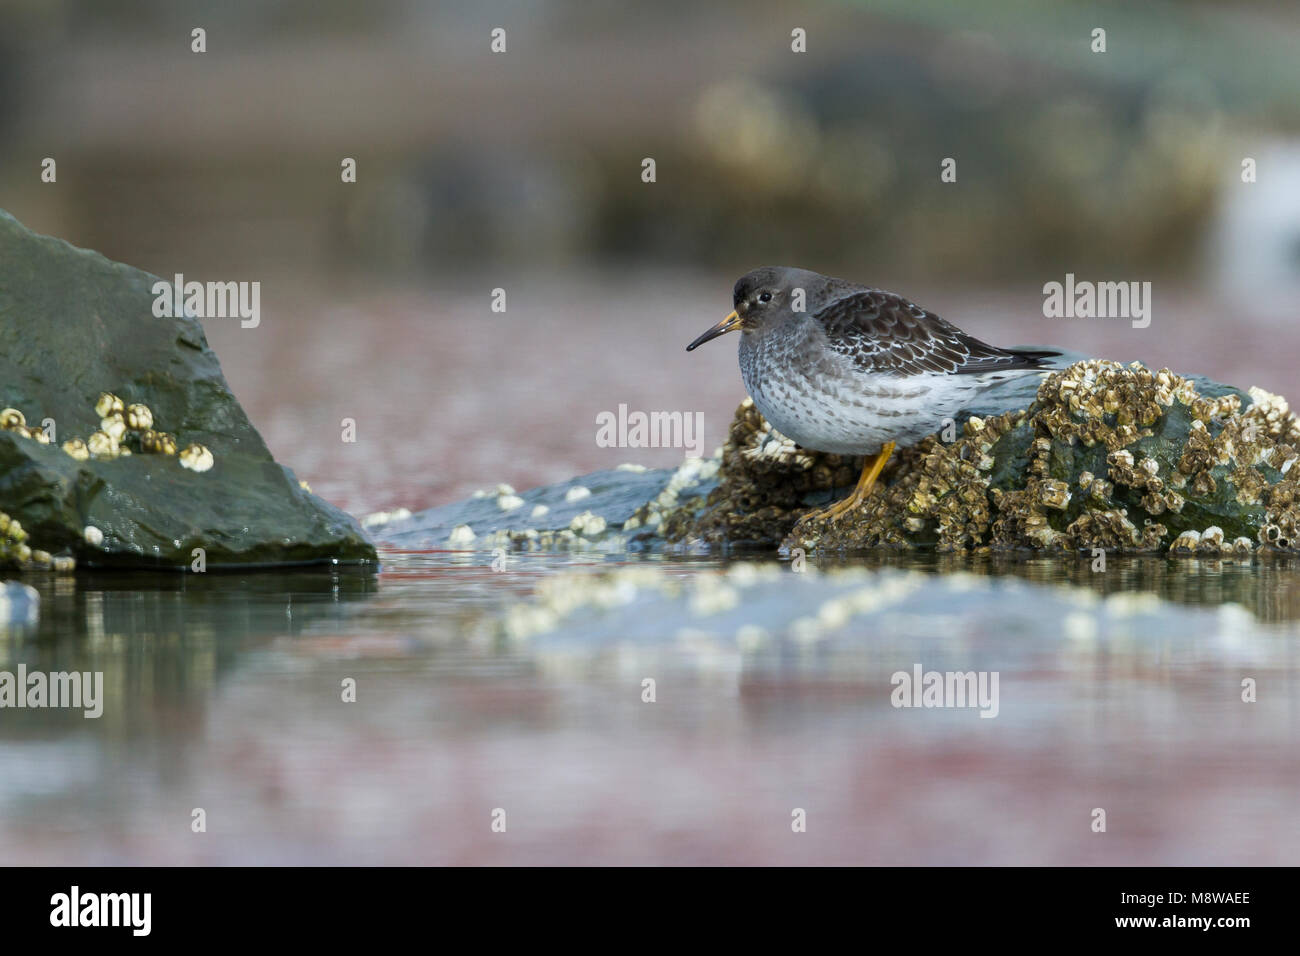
(82, 355)
(1106, 456)
(767, 617)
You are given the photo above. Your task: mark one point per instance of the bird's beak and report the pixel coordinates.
(729, 324)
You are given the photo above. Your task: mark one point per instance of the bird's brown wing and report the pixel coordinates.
(885, 333)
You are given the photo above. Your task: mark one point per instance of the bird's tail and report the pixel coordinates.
(1019, 391)
(1047, 357)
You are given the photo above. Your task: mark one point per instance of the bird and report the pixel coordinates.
(845, 368)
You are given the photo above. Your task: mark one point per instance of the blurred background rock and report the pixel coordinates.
(523, 171)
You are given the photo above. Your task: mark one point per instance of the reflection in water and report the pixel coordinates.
(164, 641)
(223, 692)
(1267, 585)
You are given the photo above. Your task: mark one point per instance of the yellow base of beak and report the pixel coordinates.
(729, 324)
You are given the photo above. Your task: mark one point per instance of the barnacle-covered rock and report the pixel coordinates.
(1107, 456)
(79, 344)
(769, 481)
(16, 550)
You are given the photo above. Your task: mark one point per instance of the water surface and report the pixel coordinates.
(224, 692)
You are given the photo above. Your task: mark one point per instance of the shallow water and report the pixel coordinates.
(223, 692)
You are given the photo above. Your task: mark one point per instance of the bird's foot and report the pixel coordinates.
(871, 469)
(832, 511)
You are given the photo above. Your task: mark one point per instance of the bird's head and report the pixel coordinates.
(761, 297)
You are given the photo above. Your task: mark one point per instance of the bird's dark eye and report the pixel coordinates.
(765, 297)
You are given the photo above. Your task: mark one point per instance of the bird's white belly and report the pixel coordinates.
(857, 413)
(846, 424)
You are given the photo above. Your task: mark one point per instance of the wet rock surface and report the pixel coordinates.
(73, 326)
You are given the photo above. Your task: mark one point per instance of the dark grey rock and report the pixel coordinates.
(73, 325)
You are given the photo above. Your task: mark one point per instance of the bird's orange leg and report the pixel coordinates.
(871, 469)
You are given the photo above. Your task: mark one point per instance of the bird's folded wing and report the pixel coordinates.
(885, 333)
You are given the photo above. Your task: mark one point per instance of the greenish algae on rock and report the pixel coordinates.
(74, 325)
(1107, 456)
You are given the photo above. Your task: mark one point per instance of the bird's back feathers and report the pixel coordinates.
(885, 333)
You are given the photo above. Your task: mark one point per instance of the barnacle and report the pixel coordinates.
(139, 418)
(114, 426)
(157, 443)
(196, 457)
(102, 445)
(108, 404)
(77, 449)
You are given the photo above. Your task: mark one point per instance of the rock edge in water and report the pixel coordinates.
(73, 326)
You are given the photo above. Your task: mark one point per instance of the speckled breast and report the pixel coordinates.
(818, 398)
